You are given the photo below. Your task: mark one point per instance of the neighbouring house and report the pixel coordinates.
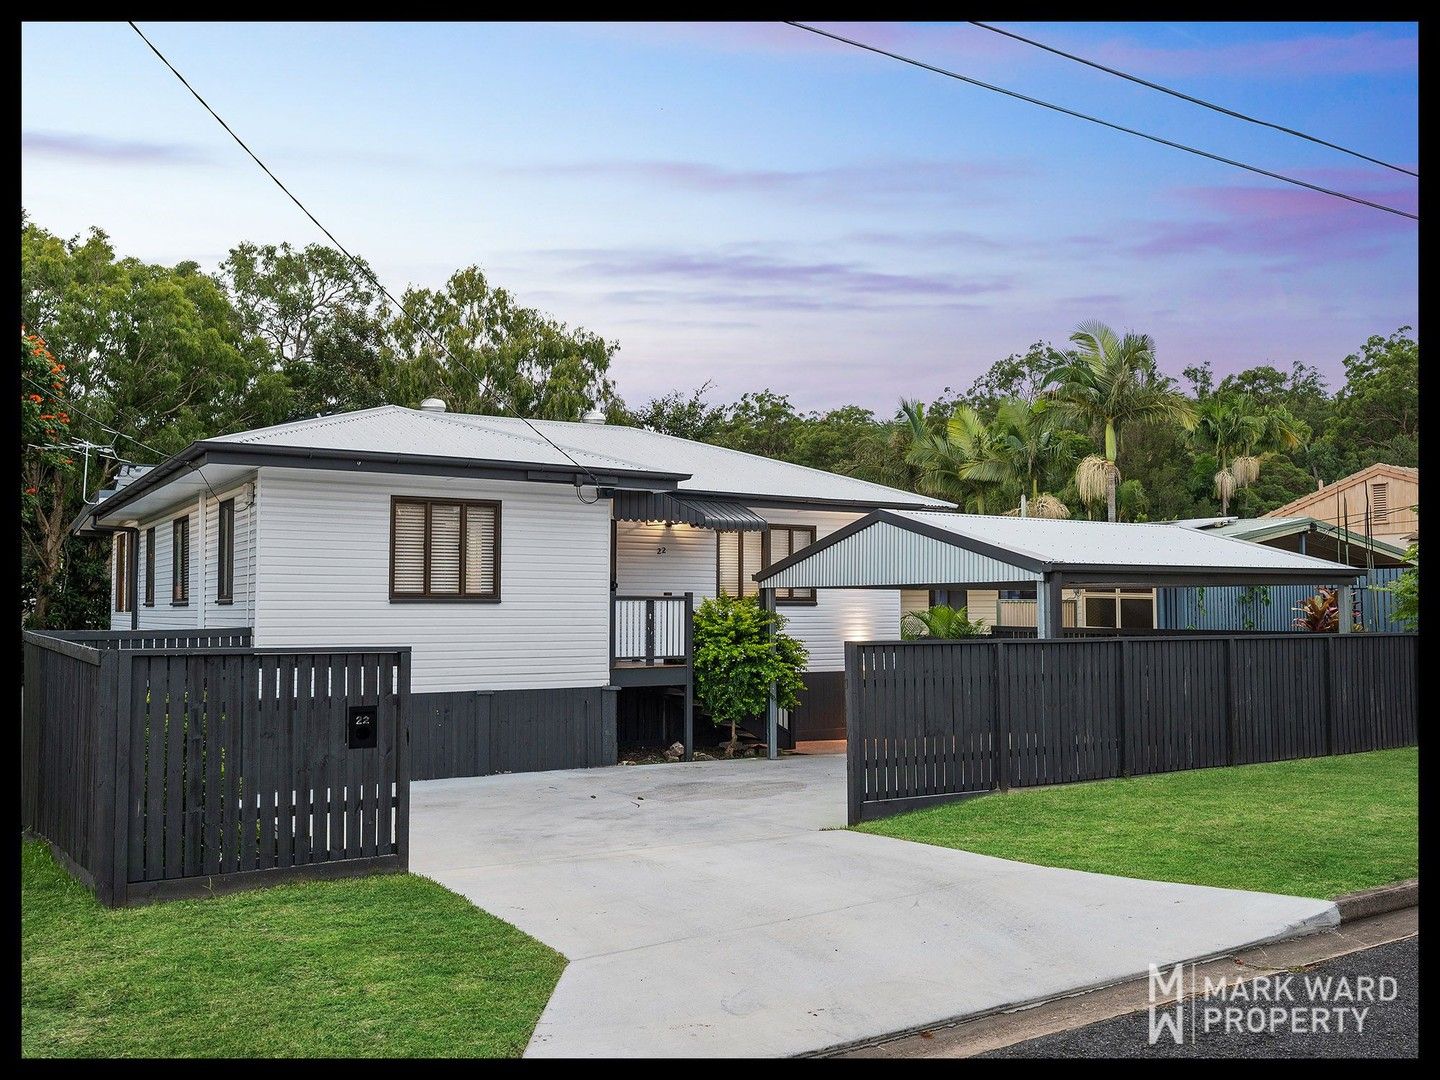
(1380, 501)
(540, 573)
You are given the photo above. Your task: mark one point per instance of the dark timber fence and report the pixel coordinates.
(936, 720)
(156, 773)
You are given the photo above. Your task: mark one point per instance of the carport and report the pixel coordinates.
(891, 549)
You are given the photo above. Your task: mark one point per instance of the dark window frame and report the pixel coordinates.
(428, 597)
(783, 597)
(150, 566)
(225, 553)
(180, 562)
(124, 602)
(787, 597)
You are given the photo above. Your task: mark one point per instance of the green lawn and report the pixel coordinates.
(1319, 827)
(392, 966)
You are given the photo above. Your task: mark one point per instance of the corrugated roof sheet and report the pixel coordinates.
(1094, 543)
(715, 514)
(713, 469)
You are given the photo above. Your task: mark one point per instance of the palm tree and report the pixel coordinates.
(1107, 383)
(958, 462)
(940, 622)
(1031, 446)
(1241, 432)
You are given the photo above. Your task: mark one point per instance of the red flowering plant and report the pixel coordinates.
(44, 419)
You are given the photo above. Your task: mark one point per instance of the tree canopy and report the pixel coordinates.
(152, 357)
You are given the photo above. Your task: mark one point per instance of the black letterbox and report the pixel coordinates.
(361, 727)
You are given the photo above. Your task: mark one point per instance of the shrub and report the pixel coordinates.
(941, 622)
(740, 651)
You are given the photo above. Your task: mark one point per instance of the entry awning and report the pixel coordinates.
(706, 513)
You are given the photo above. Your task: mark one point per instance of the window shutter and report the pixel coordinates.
(1380, 502)
(408, 549)
(444, 549)
(727, 563)
(480, 550)
(751, 564)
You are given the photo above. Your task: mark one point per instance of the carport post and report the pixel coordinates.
(772, 710)
(689, 726)
(1345, 598)
(1048, 607)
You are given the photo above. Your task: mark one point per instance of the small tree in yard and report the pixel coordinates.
(1406, 590)
(740, 650)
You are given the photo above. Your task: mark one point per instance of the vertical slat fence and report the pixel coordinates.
(930, 721)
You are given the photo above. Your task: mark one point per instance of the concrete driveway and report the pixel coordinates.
(705, 912)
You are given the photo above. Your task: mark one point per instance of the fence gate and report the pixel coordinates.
(244, 764)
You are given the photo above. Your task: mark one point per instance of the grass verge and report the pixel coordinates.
(1319, 827)
(386, 966)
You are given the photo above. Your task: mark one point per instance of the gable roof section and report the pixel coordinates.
(1258, 530)
(891, 548)
(1299, 507)
(395, 439)
(712, 470)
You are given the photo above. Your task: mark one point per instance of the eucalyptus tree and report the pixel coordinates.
(1107, 383)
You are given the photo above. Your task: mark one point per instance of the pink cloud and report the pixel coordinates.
(1366, 52)
(1278, 221)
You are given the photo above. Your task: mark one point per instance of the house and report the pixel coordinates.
(540, 572)
(1274, 608)
(1384, 497)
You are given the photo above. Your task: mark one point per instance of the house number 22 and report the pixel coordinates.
(660, 550)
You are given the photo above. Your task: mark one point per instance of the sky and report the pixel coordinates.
(755, 206)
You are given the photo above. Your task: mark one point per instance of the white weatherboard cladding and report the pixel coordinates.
(652, 559)
(688, 565)
(883, 554)
(203, 610)
(324, 565)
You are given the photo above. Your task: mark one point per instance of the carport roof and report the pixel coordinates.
(894, 548)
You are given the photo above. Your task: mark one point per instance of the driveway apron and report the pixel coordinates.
(717, 909)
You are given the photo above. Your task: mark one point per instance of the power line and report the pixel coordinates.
(1192, 99)
(359, 263)
(1103, 123)
(116, 433)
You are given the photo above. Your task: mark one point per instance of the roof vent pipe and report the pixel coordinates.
(432, 404)
(594, 416)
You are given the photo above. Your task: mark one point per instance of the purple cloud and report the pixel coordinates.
(1365, 52)
(76, 145)
(747, 279)
(906, 178)
(1297, 224)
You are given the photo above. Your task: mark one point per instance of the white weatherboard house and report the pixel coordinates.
(541, 583)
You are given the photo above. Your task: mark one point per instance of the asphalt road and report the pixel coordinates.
(1391, 1028)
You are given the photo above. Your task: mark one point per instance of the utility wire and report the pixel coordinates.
(1192, 99)
(359, 263)
(1103, 123)
(117, 434)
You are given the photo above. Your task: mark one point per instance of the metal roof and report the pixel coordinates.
(695, 510)
(1268, 528)
(1030, 547)
(710, 469)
